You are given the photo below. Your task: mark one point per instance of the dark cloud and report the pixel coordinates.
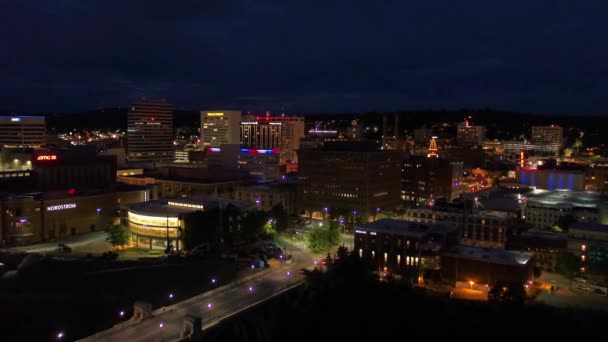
(305, 56)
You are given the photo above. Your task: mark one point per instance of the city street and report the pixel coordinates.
(564, 297)
(224, 303)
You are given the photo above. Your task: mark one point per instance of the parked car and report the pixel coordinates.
(600, 292)
(583, 288)
(63, 248)
(579, 280)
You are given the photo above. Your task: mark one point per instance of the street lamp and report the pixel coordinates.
(209, 306)
(213, 280)
(250, 289)
(161, 325)
(60, 335)
(121, 314)
(170, 296)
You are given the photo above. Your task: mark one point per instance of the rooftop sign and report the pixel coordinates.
(46, 157)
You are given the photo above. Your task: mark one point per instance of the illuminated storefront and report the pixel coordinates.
(153, 230)
(39, 217)
(156, 224)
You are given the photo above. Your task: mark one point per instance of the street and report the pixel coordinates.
(564, 297)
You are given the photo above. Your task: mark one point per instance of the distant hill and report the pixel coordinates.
(107, 118)
(500, 124)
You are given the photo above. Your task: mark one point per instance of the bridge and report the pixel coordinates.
(184, 321)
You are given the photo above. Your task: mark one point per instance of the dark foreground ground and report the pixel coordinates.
(346, 305)
(64, 297)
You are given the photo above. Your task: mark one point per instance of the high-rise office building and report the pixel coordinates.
(425, 179)
(468, 135)
(22, 131)
(270, 132)
(220, 127)
(150, 132)
(552, 134)
(354, 177)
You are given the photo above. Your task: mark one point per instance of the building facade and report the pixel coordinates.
(160, 224)
(424, 179)
(262, 165)
(546, 247)
(552, 134)
(22, 131)
(349, 176)
(150, 132)
(467, 135)
(552, 179)
(270, 132)
(220, 127)
(62, 170)
(588, 241)
(480, 268)
(403, 247)
(37, 217)
(265, 197)
(475, 227)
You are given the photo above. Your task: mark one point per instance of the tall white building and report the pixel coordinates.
(22, 131)
(220, 127)
(150, 132)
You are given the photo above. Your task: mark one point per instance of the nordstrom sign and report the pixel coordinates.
(61, 207)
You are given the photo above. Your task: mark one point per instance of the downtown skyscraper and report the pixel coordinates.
(150, 131)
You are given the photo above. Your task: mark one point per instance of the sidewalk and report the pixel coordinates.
(71, 241)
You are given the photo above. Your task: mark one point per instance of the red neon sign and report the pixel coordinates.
(47, 157)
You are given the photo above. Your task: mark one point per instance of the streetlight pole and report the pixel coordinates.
(167, 249)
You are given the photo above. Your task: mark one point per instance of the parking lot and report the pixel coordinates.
(581, 295)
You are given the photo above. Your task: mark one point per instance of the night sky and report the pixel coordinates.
(544, 56)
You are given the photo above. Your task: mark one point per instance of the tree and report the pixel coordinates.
(537, 272)
(118, 235)
(323, 238)
(253, 224)
(200, 227)
(507, 293)
(564, 222)
(568, 265)
(282, 218)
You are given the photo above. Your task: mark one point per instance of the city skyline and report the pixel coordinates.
(357, 57)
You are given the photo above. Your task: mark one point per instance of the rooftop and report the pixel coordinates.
(405, 227)
(173, 207)
(583, 199)
(590, 227)
(499, 256)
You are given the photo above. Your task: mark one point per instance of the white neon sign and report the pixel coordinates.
(61, 207)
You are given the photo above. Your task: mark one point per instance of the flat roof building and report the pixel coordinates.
(348, 176)
(476, 266)
(22, 131)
